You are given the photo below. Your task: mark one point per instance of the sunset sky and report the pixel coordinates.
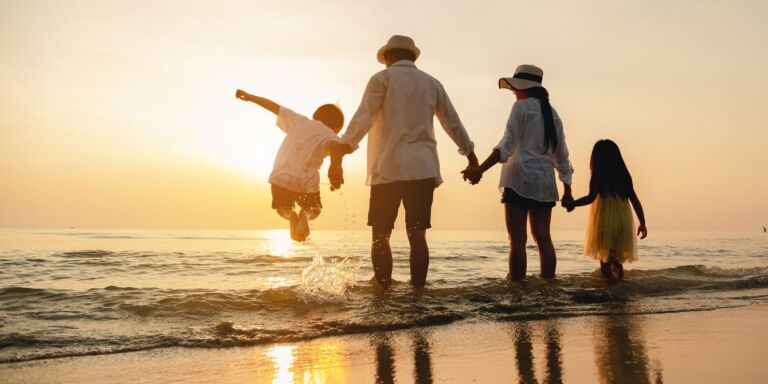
(121, 114)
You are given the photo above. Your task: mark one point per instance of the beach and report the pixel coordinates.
(93, 306)
(724, 345)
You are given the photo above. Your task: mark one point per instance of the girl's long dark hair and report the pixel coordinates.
(610, 176)
(550, 133)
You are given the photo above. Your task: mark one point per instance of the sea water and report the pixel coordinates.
(77, 292)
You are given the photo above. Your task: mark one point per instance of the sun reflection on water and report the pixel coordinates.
(279, 243)
(282, 357)
(319, 361)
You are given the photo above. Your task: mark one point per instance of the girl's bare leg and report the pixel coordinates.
(518, 236)
(612, 270)
(540, 220)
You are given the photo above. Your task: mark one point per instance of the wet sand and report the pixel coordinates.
(726, 345)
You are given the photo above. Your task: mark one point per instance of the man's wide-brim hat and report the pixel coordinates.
(398, 42)
(526, 76)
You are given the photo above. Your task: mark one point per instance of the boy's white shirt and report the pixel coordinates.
(301, 154)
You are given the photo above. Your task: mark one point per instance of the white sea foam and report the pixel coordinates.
(327, 281)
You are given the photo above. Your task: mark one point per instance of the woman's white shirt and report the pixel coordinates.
(527, 168)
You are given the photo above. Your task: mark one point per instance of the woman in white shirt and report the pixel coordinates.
(532, 148)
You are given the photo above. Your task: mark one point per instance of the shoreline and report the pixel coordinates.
(693, 346)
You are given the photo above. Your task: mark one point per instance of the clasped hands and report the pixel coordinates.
(472, 173)
(568, 203)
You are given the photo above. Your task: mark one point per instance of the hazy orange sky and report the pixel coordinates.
(122, 114)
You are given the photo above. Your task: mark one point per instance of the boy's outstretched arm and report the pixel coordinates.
(263, 102)
(641, 230)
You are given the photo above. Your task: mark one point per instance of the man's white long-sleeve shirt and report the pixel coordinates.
(397, 113)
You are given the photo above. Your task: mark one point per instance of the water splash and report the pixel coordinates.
(327, 281)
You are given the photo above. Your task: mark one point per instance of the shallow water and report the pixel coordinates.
(77, 292)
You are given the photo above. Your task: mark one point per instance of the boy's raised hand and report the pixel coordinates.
(242, 95)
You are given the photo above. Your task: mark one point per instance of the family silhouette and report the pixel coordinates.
(396, 113)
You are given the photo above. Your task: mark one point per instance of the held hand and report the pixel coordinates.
(242, 95)
(568, 203)
(336, 177)
(473, 174)
(642, 231)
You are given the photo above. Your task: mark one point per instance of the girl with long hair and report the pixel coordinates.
(611, 230)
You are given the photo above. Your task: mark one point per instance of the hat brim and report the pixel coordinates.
(513, 83)
(380, 54)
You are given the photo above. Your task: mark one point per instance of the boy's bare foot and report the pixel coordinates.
(302, 227)
(293, 218)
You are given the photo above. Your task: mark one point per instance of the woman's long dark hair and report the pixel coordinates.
(610, 176)
(550, 133)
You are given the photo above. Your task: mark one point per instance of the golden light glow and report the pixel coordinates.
(315, 362)
(282, 357)
(280, 243)
(277, 282)
(146, 116)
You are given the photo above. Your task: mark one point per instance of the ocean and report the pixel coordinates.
(76, 292)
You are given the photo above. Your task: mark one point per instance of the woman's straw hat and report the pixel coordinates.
(398, 42)
(526, 76)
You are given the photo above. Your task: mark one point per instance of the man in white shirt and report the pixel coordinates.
(396, 113)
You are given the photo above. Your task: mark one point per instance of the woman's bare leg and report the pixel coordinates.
(518, 236)
(540, 221)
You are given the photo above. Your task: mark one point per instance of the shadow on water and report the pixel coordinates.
(524, 354)
(524, 358)
(619, 343)
(385, 358)
(620, 352)
(422, 372)
(554, 353)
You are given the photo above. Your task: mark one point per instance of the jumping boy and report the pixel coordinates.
(295, 177)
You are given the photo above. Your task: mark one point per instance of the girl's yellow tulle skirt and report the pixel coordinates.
(611, 230)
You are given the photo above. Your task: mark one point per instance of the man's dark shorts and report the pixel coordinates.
(285, 198)
(416, 196)
(509, 196)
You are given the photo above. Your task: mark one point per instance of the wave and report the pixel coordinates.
(223, 318)
(574, 288)
(268, 259)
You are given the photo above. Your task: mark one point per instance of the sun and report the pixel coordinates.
(241, 140)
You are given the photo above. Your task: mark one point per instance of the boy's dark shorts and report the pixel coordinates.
(509, 196)
(285, 198)
(416, 196)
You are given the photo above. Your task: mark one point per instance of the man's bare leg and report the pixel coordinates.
(419, 257)
(381, 256)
